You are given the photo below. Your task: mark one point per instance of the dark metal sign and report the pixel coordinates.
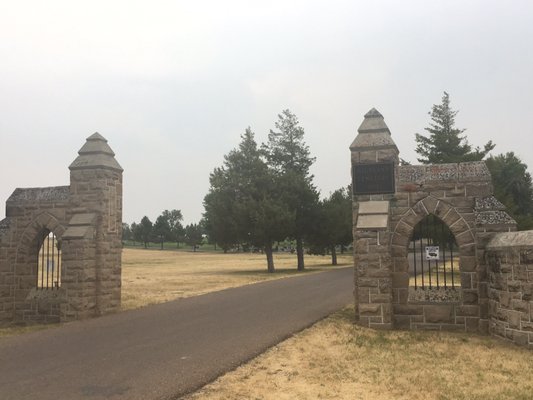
(376, 178)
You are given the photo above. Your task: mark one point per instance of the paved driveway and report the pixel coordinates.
(166, 350)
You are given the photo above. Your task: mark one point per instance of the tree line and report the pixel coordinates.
(167, 228)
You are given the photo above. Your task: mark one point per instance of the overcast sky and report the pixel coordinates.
(173, 84)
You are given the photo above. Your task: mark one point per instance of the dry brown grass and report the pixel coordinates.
(17, 330)
(154, 276)
(337, 360)
(441, 274)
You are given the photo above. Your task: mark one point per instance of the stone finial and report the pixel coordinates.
(373, 123)
(373, 133)
(95, 153)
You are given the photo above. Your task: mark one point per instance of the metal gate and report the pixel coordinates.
(433, 256)
(49, 263)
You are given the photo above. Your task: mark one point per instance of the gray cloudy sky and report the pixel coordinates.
(173, 84)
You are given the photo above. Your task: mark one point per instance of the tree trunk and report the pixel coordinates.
(161, 243)
(270, 258)
(300, 253)
(333, 256)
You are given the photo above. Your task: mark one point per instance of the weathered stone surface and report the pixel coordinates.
(474, 171)
(372, 221)
(467, 311)
(38, 195)
(374, 207)
(430, 204)
(367, 310)
(494, 218)
(439, 295)
(488, 203)
(408, 309)
(95, 154)
(441, 314)
(468, 263)
(400, 279)
(82, 219)
(78, 232)
(478, 190)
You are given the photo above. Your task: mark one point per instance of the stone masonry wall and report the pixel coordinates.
(509, 259)
(29, 213)
(451, 192)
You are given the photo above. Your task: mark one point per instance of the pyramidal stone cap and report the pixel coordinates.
(373, 133)
(95, 153)
(373, 123)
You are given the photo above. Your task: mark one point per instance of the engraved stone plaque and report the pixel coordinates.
(375, 178)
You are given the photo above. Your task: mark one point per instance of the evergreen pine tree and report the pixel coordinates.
(289, 156)
(445, 143)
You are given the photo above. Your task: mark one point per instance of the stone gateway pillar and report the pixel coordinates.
(375, 161)
(93, 240)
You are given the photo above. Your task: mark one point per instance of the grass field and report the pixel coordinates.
(154, 276)
(336, 359)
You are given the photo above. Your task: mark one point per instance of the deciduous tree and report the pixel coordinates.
(512, 186)
(127, 233)
(193, 235)
(161, 229)
(145, 231)
(174, 218)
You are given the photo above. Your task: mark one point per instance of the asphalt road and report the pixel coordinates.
(166, 350)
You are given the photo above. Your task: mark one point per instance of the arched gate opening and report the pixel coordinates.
(49, 262)
(433, 256)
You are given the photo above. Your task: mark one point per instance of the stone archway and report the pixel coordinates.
(29, 302)
(455, 221)
(435, 308)
(29, 240)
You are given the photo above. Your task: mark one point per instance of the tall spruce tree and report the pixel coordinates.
(244, 203)
(289, 156)
(446, 143)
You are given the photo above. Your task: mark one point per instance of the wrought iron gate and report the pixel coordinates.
(433, 256)
(49, 263)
